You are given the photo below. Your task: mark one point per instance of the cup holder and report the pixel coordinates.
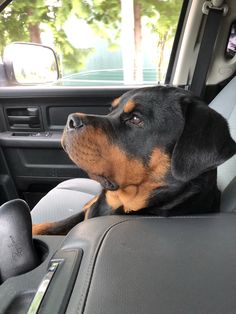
(19, 252)
(41, 249)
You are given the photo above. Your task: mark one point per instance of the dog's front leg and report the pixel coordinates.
(92, 209)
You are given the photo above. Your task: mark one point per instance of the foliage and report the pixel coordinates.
(105, 25)
(17, 18)
(165, 14)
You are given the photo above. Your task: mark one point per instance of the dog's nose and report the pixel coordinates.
(74, 122)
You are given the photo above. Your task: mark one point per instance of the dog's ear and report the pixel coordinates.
(204, 143)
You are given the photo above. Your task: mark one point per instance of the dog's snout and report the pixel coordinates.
(74, 122)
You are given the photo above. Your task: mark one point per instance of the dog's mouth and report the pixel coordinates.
(106, 183)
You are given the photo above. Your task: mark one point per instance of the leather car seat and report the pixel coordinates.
(66, 199)
(225, 104)
(70, 196)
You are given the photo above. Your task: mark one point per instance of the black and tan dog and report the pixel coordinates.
(156, 153)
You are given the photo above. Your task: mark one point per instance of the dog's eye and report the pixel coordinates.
(136, 120)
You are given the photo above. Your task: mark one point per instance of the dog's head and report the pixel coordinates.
(151, 134)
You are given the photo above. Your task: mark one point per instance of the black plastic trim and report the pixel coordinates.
(176, 41)
(8, 140)
(59, 91)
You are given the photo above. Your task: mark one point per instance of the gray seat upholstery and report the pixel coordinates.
(225, 104)
(70, 196)
(66, 199)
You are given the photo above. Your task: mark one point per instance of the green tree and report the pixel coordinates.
(163, 18)
(24, 20)
(166, 15)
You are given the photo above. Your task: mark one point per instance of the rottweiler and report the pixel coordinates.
(155, 153)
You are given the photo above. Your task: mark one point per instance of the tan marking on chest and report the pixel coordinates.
(132, 198)
(136, 197)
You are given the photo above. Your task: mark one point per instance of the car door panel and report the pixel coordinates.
(31, 125)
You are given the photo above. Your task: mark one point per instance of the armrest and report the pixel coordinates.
(134, 264)
(150, 265)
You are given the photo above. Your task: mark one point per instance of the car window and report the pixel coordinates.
(98, 42)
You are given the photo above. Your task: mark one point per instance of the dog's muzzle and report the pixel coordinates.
(74, 122)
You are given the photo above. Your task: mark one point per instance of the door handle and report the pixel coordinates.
(23, 119)
(31, 121)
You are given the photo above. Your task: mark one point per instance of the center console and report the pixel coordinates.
(128, 264)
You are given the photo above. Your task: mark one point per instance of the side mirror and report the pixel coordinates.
(30, 64)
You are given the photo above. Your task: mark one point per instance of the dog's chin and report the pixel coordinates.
(106, 183)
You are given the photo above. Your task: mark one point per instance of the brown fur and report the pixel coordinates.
(42, 228)
(129, 106)
(135, 197)
(93, 152)
(115, 102)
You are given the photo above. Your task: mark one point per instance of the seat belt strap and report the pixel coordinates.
(206, 49)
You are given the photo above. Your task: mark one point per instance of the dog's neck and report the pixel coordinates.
(131, 198)
(166, 199)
